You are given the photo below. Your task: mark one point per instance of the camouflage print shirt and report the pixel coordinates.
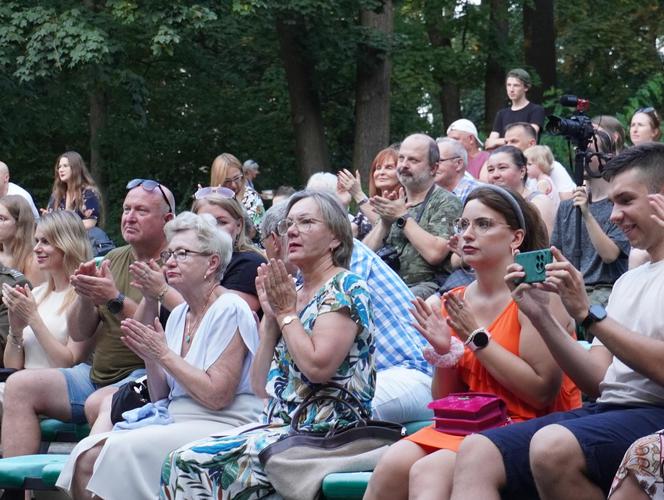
(437, 219)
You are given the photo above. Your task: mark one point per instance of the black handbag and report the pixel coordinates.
(298, 462)
(130, 396)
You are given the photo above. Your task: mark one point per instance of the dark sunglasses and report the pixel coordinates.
(149, 185)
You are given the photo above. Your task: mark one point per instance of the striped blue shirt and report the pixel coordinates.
(397, 341)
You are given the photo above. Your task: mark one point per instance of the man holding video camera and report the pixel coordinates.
(416, 222)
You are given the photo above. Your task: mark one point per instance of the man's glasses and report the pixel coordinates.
(180, 254)
(219, 190)
(149, 185)
(447, 159)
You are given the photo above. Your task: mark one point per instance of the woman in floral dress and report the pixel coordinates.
(320, 332)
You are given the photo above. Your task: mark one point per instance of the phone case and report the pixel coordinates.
(534, 264)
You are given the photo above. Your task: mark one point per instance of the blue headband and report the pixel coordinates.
(511, 200)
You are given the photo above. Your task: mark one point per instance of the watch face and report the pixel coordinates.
(481, 339)
(598, 312)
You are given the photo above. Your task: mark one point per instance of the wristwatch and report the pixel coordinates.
(287, 320)
(478, 340)
(596, 313)
(115, 305)
(401, 221)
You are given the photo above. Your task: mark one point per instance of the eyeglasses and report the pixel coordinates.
(304, 225)
(481, 225)
(233, 180)
(219, 190)
(149, 185)
(447, 159)
(180, 254)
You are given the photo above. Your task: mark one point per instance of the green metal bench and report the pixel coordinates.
(56, 431)
(18, 474)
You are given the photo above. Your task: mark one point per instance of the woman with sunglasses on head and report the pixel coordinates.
(480, 342)
(75, 189)
(318, 333)
(645, 126)
(226, 171)
(198, 369)
(240, 275)
(507, 167)
(383, 181)
(17, 229)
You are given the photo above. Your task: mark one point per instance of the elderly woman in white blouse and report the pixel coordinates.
(198, 368)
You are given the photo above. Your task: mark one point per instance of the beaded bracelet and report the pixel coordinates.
(18, 342)
(448, 360)
(162, 294)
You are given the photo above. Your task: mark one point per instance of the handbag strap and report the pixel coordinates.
(358, 410)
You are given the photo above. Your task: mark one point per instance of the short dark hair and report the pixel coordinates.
(527, 128)
(648, 158)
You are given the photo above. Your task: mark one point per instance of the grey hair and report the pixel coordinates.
(210, 238)
(322, 181)
(272, 217)
(250, 165)
(335, 218)
(457, 148)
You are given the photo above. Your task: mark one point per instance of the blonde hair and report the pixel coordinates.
(66, 232)
(540, 156)
(219, 172)
(21, 245)
(235, 210)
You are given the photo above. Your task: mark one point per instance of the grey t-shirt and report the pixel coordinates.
(595, 272)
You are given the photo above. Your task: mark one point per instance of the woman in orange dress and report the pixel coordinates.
(503, 354)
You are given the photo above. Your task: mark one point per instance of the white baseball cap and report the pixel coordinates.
(465, 125)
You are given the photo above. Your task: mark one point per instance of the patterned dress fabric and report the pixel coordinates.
(227, 467)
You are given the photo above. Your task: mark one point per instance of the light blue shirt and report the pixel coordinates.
(398, 343)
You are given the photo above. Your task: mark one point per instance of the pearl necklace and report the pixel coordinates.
(188, 328)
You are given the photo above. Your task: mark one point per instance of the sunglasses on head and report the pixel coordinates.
(149, 185)
(647, 110)
(219, 191)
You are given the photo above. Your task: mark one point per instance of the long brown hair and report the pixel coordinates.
(80, 180)
(22, 244)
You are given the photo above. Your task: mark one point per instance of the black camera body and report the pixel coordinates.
(578, 129)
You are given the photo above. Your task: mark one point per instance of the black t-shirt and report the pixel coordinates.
(532, 113)
(240, 274)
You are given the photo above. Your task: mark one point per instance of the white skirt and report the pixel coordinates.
(129, 464)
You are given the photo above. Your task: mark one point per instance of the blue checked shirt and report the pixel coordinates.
(465, 186)
(397, 341)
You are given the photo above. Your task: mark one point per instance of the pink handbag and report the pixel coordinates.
(463, 413)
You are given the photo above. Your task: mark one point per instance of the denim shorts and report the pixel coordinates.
(604, 432)
(80, 387)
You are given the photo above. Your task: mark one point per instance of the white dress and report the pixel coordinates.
(129, 464)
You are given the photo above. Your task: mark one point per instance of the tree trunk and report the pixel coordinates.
(448, 90)
(539, 40)
(97, 122)
(311, 153)
(372, 92)
(494, 80)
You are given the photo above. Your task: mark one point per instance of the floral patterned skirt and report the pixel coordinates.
(645, 462)
(220, 467)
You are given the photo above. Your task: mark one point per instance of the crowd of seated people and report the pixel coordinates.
(234, 328)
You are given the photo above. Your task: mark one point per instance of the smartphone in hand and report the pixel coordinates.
(533, 264)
